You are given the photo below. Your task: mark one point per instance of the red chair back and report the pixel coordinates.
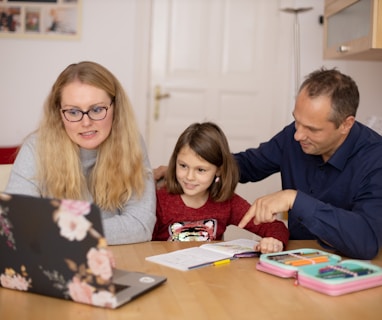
(8, 154)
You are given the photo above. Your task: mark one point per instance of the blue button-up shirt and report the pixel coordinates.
(338, 202)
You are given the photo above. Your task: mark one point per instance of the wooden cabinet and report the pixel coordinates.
(353, 29)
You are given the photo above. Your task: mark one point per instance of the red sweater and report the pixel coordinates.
(177, 222)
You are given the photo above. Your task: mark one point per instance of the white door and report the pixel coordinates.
(226, 61)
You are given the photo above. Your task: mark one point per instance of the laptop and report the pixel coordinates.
(57, 248)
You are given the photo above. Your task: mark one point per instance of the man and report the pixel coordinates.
(331, 170)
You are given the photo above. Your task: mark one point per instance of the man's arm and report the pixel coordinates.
(356, 233)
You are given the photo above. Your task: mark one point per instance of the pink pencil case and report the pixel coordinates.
(321, 271)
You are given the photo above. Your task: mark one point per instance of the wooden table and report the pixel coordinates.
(233, 291)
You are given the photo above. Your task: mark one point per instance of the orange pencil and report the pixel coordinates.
(303, 262)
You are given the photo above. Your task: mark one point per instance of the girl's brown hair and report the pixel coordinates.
(209, 142)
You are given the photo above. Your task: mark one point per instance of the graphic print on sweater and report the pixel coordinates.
(201, 230)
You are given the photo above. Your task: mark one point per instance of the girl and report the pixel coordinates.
(198, 201)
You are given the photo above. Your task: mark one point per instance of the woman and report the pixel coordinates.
(88, 147)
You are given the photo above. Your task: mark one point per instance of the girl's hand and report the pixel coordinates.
(269, 245)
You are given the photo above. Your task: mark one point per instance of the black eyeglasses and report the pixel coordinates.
(95, 113)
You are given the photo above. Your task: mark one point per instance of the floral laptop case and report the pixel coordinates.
(321, 271)
(57, 248)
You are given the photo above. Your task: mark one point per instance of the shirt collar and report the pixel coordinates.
(340, 157)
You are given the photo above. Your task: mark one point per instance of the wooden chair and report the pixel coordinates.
(5, 171)
(7, 157)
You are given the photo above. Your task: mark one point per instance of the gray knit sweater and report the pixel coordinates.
(134, 223)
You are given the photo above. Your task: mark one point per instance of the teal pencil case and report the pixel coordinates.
(321, 271)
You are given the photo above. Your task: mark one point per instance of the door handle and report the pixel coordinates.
(159, 96)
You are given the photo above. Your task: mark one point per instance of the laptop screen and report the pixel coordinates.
(55, 248)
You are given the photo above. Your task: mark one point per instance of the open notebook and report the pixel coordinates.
(57, 248)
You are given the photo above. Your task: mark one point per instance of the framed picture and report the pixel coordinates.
(40, 19)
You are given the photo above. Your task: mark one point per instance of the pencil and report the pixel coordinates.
(221, 262)
(303, 262)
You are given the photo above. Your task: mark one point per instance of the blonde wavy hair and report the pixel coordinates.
(119, 170)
